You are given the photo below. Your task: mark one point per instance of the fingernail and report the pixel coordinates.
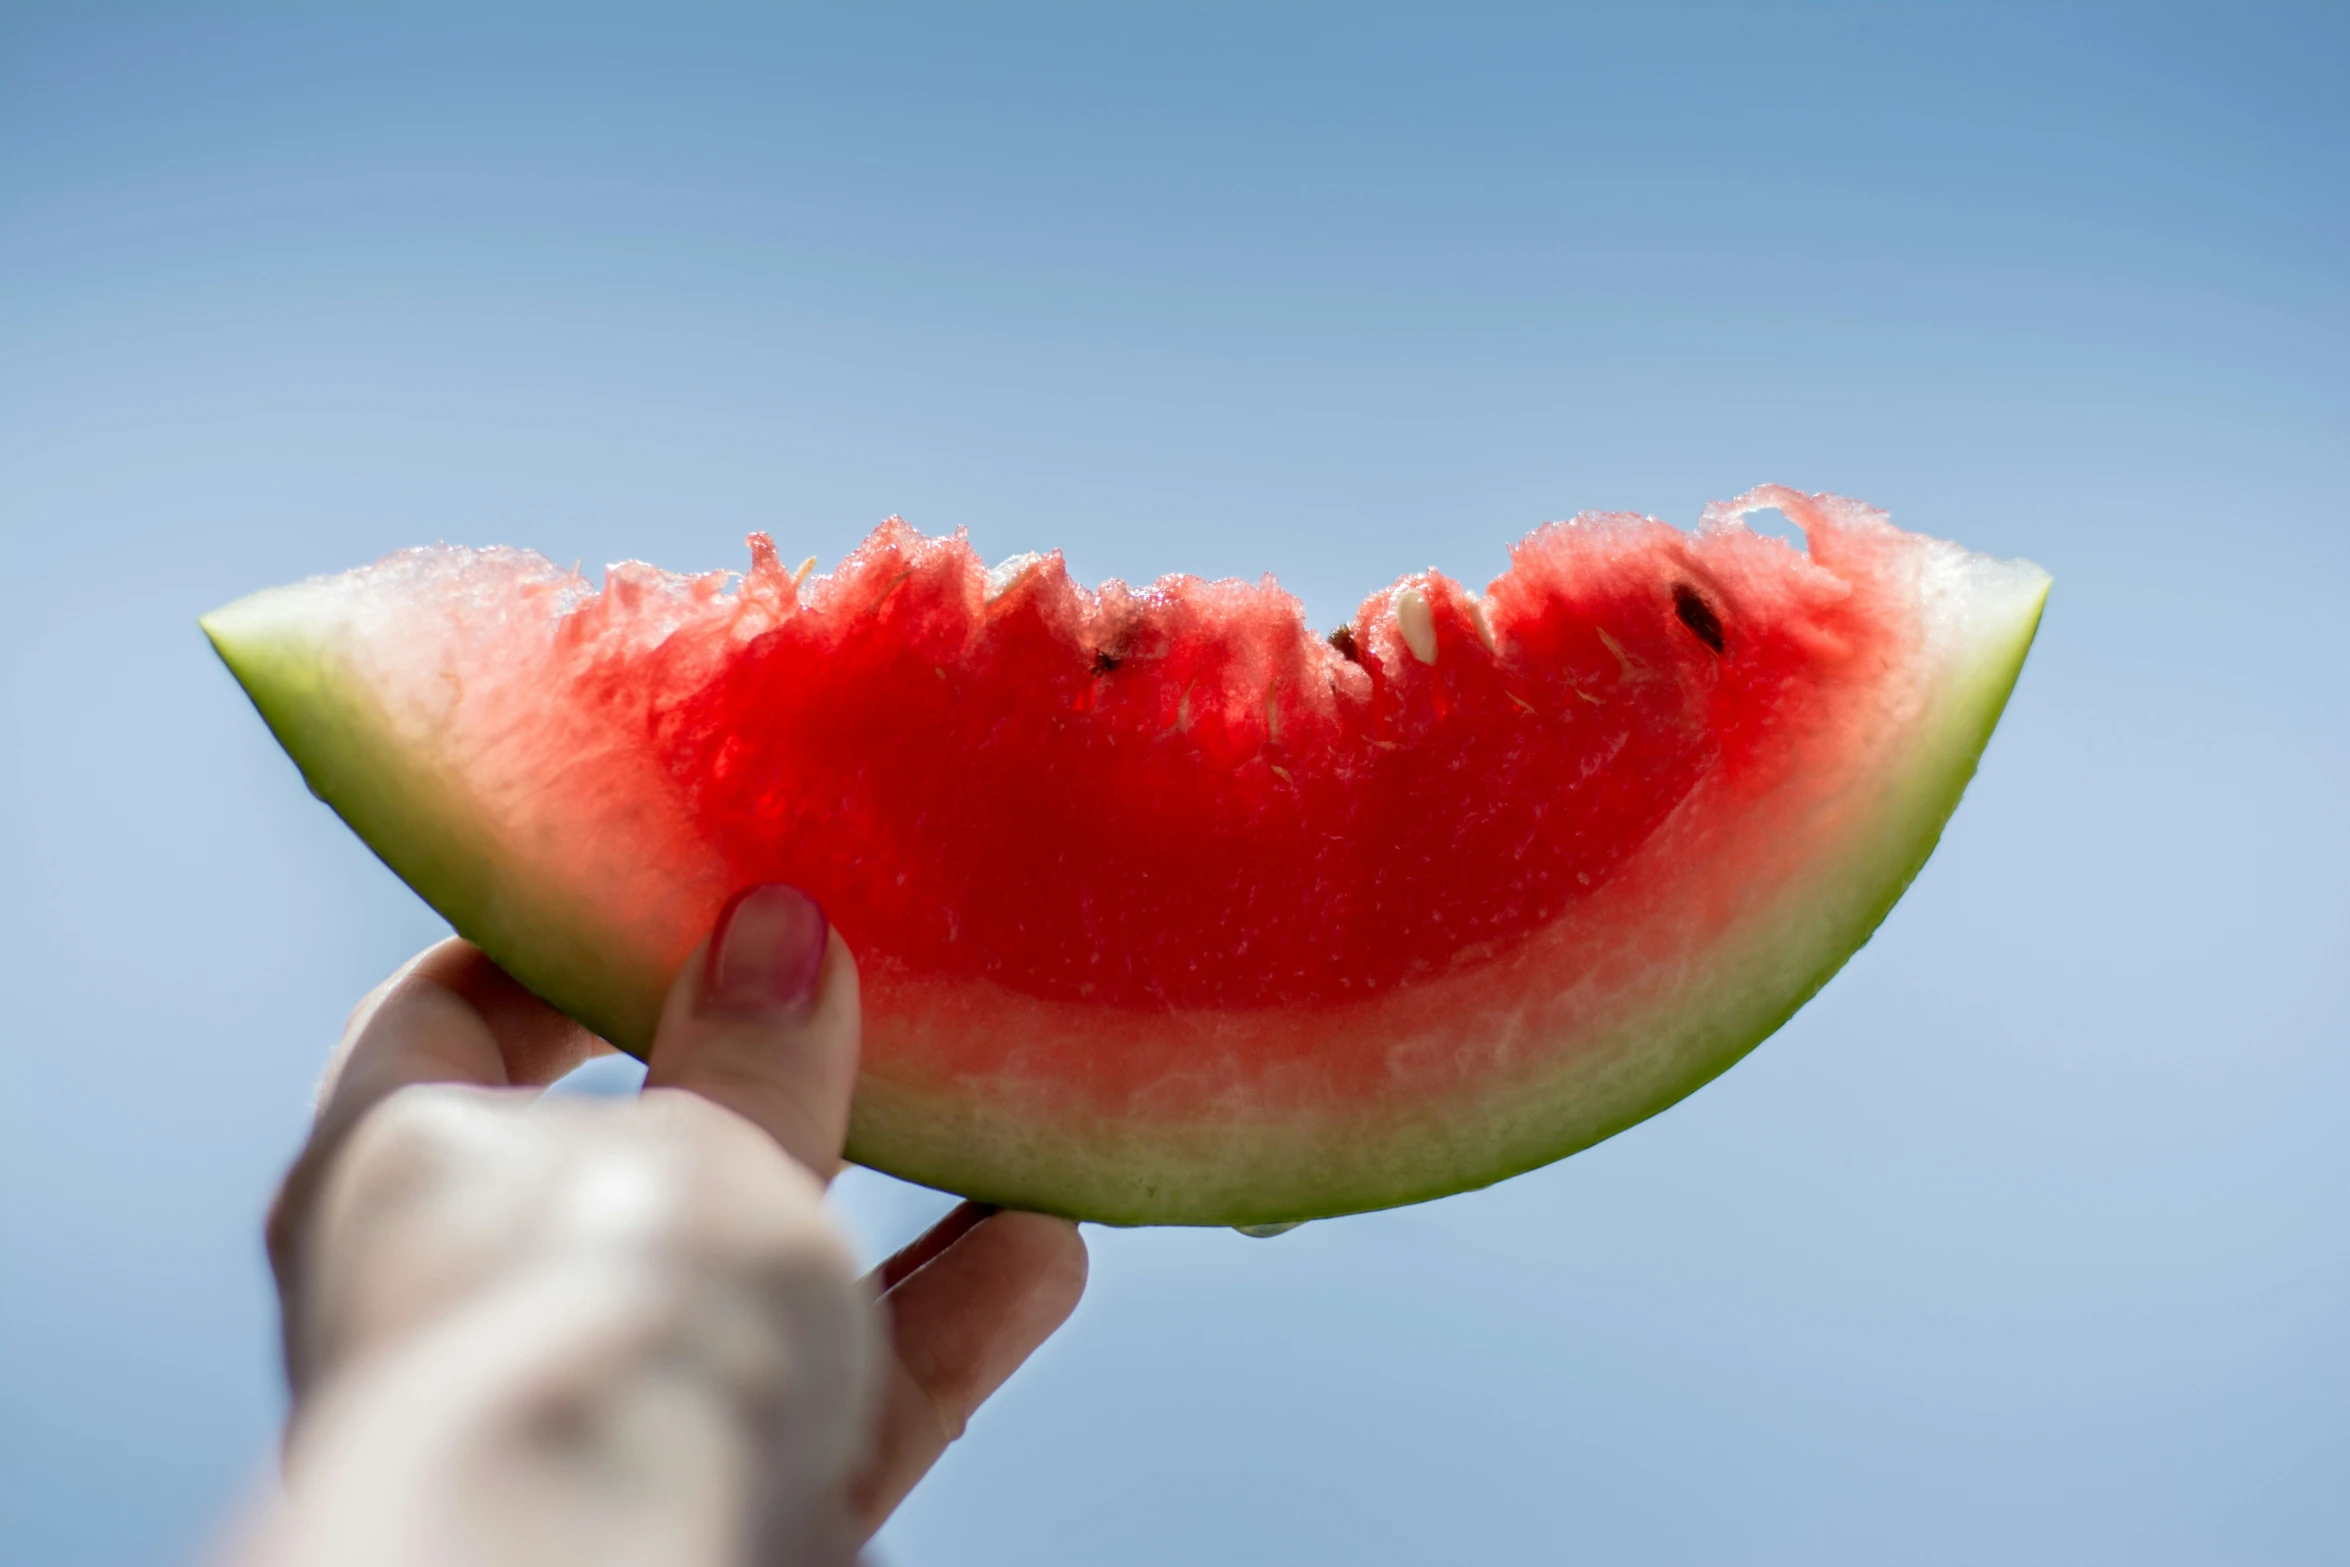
(767, 952)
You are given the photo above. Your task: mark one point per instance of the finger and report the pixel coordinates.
(917, 1254)
(764, 1020)
(962, 1322)
(449, 1015)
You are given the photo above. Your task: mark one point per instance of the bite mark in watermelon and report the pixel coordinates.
(1170, 910)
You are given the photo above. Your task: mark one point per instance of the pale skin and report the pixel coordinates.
(418, 1207)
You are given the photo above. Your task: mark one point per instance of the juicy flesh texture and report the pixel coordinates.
(1169, 909)
(1183, 797)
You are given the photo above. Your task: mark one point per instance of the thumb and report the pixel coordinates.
(763, 1019)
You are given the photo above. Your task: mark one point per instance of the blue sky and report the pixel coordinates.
(2023, 1242)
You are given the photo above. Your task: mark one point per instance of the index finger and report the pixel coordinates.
(449, 1015)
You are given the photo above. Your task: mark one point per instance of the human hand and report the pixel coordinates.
(491, 1303)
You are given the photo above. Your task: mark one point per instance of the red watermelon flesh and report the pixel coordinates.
(1170, 909)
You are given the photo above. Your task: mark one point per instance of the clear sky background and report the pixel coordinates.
(2026, 1242)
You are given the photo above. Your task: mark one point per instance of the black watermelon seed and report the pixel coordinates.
(1343, 639)
(1697, 615)
(1105, 661)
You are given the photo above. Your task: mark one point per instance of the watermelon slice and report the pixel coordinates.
(1170, 910)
